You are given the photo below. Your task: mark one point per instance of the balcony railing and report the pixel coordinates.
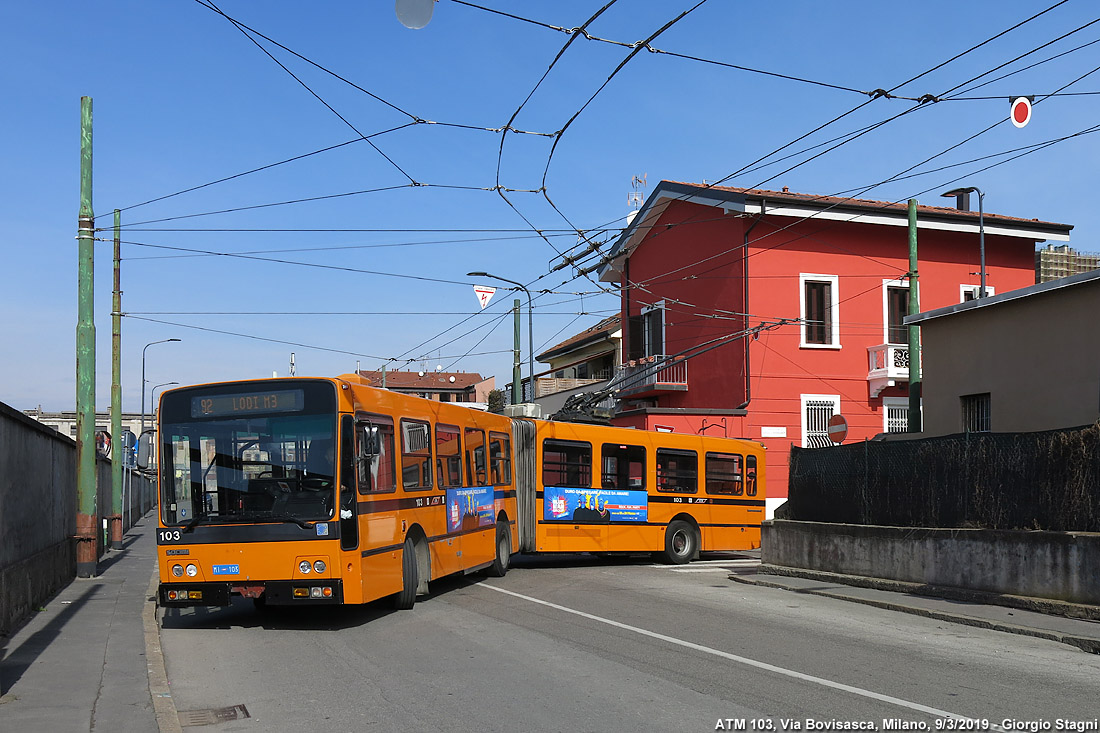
(653, 374)
(887, 365)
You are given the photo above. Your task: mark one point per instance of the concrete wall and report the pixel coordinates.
(1062, 566)
(1031, 355)
(38, 512)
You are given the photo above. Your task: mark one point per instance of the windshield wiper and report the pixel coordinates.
(195, 521)
(285, 518)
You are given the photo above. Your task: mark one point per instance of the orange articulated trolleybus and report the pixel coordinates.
(312, 491)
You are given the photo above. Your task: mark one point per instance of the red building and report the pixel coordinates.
(826, 277)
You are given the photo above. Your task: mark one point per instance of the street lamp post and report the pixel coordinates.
(530, 326)
(153, 394)
(143, 380)
(958, 193)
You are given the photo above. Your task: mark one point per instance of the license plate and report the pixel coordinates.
(227, 570)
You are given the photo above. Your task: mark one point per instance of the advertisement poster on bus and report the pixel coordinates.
(469, 508)
(595, 505)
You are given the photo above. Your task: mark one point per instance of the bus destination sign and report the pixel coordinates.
(248, 403)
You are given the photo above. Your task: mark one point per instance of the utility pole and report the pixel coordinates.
(914, 331)
(87, 521)
(517, 380)
(117, 459)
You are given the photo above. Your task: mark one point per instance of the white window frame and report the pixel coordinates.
(975, 289)
(886, 285)
(888, 402)
(834, 398)
(834, 309)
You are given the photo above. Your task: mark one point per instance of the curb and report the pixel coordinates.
(1083, 643)
(168, 720)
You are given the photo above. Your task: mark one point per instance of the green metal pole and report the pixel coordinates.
(86, 518)
(914, 331)
(117, 511)
(517, 380)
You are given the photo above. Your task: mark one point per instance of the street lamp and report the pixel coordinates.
(153, 395)
(143, 380)
(530, 326)
(958, 194)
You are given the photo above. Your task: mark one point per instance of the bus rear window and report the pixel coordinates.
(566, 463)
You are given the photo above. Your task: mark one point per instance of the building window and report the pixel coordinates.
(896, 309)
(819, 311)
(816, 411)
(895, 414)
(975, 413)
(653, 320)
(970, 292)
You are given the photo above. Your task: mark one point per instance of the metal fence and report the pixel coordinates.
(1046, 481)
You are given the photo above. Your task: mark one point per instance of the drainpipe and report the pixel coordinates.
(745, 301)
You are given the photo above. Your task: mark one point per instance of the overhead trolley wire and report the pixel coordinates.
(209, 4)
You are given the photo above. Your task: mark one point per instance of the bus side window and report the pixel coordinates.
(416, 455)
(677, 471)
(475, 457)
(448, 456)
(750, 476)
(724, 474)
(375, 443)
(566, 463)
(623, 466)
(500, 458)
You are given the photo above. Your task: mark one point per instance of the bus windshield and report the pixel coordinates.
(244, 465)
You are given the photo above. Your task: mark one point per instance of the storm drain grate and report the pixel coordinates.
(212, 716)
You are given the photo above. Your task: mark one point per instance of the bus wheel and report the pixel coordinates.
(504, 552)
(681, 542)
(404, 599)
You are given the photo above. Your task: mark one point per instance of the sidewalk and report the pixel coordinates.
(80, 663)
(1079, 632)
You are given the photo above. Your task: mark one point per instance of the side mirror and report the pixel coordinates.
(145, 449)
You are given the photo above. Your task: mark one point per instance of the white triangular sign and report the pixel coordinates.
(484, 294)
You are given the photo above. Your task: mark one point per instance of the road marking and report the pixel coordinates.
(735, 658)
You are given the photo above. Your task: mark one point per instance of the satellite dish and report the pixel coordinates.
(414, 14)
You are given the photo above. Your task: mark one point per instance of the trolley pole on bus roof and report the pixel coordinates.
(117, 448)
(914, 425)
(86, 519)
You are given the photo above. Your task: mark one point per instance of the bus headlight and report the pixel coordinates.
(304, 567)
(192, 570)
(177, 570)
(319, 566)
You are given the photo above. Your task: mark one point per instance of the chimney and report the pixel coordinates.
(962, 201)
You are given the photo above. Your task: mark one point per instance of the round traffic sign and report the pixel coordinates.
(1020, 111)
(838, 428)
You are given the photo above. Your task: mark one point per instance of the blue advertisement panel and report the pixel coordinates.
(470, 508)
(595, 505)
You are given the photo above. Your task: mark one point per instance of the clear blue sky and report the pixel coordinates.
(182, 97)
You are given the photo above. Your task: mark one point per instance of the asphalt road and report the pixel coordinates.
(579, 644)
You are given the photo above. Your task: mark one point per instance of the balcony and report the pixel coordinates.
(652, 375)
(887, 366)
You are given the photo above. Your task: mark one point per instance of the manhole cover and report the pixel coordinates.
(212, 716)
